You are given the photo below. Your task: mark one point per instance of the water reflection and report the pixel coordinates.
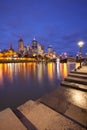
(20, 82)
(40, 70)
(9, 71)
(58, 70)
(6, 72)
(63, 70)
(51, 70)
(1, 74)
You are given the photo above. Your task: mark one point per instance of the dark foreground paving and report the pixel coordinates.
(72, 104)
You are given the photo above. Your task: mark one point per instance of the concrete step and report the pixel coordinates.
(9, 121)
(28, 106)
(78, 72)
(44, 118)
(24, 120)
(76, 80)
(74, 85)
(78, 75)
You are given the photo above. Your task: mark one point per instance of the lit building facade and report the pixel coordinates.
(20, 45)
(40, 50)
(50, 49)
(34, 47)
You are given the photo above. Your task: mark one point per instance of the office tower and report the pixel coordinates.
(40, 49)
(34, 46)
(20, 45)
(50, 49)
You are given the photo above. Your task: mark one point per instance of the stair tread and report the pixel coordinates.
(77, 75)
(9, 121)
(74, 85)
(78, 72)
(75, 78)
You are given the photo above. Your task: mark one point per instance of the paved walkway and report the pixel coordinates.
(82, 70)
(70, 103)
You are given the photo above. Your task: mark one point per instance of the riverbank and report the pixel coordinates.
(26, 59)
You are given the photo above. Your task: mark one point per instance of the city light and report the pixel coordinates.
(80, 44)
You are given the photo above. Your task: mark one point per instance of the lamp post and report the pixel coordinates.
(80, 44)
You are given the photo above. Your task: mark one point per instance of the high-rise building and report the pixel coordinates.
(50, 49)
(40, 49)
(20, 45)
(28, 47)
(34, 46)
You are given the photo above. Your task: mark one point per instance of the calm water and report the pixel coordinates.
(20, 82)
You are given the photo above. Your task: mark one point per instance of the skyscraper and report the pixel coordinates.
(34, 46)
(50, 49)
(20, 45)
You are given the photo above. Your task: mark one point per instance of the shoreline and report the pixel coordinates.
(37, 61)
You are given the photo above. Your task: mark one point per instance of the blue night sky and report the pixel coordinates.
(60, 23)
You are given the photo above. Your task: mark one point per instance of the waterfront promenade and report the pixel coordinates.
(54, 111)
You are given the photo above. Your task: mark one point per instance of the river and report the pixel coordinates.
(20, 82)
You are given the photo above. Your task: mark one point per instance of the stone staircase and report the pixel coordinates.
(77, 79)
(77, 75)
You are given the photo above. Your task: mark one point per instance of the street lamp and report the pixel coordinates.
(80, 44)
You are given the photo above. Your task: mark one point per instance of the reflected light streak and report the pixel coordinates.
(65, 70)
(24, 69)
(61, 70)
(1, 74)
(50, 70)
(58, 70)
(10, 71)
(39, 73)
(5, 68)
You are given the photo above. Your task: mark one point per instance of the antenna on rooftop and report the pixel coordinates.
(34, 38)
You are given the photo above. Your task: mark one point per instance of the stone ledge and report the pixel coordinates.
(9, 121)
(74, 85)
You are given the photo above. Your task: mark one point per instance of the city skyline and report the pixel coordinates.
(58, 23)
